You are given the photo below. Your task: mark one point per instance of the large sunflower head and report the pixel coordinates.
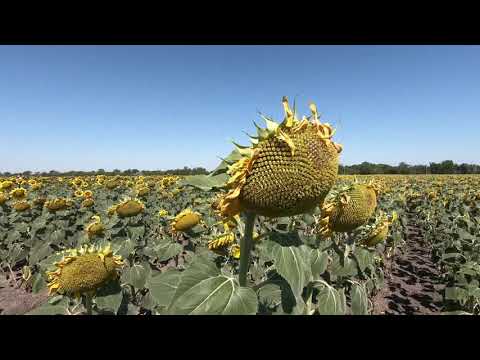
(95, 228)
(349, 208)
(288, 170)
(185, 220)
(84, 270)
(129, 208)
(18, 193)
(22, 206)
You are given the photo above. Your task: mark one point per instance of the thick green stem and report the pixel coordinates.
(245, 248)
(88, 304)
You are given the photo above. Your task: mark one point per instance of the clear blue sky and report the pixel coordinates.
(159, 107)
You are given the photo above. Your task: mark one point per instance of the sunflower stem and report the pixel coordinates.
(88, 304)
(245, 249)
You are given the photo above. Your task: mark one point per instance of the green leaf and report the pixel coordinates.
(319, 262)
(270, 295)
(162, 286)
(127, 248)
(348, 269)
(458, 312)
(57, 236)
(136, 232)
(136, 276)
(219, 295)
(201, 268)
(359, 300)
(451, 255)
(308, 219)
(48, 309)
(456, 294)
(293, 264)
(168, 251)
(204, 182)
(110, 297)
(364, 258)
(38, 283)
(39, 252)
(329, 300)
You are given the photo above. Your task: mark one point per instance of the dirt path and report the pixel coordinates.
(413, 285)
(16, 300)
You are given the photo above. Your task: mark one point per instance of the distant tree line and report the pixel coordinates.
(365, 168)
(445, 167)
(185, 171)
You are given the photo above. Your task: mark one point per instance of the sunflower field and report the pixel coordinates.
(272, 230)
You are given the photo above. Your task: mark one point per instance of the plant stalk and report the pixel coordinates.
(245, 249)
(88, 304)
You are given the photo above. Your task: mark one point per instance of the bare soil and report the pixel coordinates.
(15, 299)
(412, 282)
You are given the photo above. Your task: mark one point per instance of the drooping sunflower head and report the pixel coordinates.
(84, 270)
(378, 232)
(347, 209)
(112, 184)
(288, 170)
(21, 206)
(3, 198)
(18, 193)
(129, 208)
(6, 185)
(95, 228)
(142, 190)
(222, 243)
(57, 204)
(185, 220)
(88, 202)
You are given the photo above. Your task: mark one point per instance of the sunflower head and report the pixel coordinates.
(3, 198)
(6, 185)
(21, 206)
(18, 193)
(288, 170)
(95, 228)
(142, 190)
(84, 270)
(162, 213)
(112, 184)
(350, 208)
(57, 204)
(88, 202)
(40, 201)
(378, 232)
(185, 220)
(129, 208)
(79, 194)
